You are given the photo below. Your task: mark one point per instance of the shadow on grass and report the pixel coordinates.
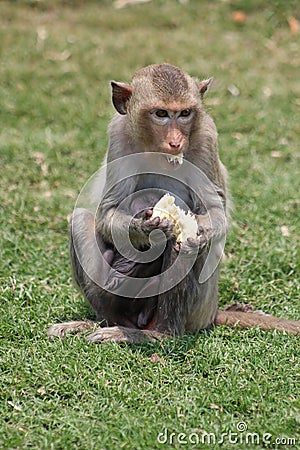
(175, 348)
(83, 311)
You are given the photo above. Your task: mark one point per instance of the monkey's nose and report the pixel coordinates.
(174, 147)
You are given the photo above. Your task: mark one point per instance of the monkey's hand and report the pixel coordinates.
(192, 246)
(140, 229)
(156, 223)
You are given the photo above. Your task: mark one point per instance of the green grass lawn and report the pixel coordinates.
(57, 58)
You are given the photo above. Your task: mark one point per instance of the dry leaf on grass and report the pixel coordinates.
(156, 358)
(234, 90)
(39, 157)
(54, 56)
(276, 154)
(214, 406)
(41, 37)
(42, 390)
(239, 16)
(294, 25)
(119, 4)
(16, 407)
(285, 231)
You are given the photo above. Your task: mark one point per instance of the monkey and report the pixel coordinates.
(141, 283)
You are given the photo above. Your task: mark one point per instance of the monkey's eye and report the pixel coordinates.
(161, 113)
(185, 113)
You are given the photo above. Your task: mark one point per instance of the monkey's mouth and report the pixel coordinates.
(175, 160)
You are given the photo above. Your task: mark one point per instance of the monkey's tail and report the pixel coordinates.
(240, 319)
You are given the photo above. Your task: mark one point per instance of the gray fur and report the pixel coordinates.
(189, 306)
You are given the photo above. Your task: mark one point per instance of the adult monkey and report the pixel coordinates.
(160, 123)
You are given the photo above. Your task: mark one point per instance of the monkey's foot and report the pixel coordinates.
(61, 329)
(122, 334)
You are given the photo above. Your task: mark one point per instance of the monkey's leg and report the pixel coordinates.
(61, 329)
(91, 259)
(175, 304)
(87, 250)
(121, 224)
(90, 273)
(89, 267)
(190, 305)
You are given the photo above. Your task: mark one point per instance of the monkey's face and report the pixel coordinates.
(168, 131)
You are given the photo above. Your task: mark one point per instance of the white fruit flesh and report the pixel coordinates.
(185, 224)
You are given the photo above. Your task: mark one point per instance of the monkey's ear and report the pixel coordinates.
(204, 85)
(121, 93)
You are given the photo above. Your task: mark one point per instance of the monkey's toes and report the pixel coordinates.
(112, 283)
(109, 334)
(122, 334)
(62, 329)
(56, 330)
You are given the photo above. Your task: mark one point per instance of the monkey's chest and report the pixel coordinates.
(151, 188)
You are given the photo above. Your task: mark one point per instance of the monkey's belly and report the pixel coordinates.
(140, 311)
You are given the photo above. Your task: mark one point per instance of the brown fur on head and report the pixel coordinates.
(159, 87)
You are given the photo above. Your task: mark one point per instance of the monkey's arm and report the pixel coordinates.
(117, 224)
(252, 319)
(212, 216)
(214, 224)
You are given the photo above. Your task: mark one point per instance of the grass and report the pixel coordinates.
(57, 58)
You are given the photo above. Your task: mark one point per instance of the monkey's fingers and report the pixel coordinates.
(185, 249)
(148, 213)
(200, 231)
(145, 214)
(201, 240)
(74, 327)
(144, 225)
(167, 226)
(152, 224)
(195, 242)
(191, 245)
(122, 334)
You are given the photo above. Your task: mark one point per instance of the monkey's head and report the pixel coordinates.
(162, 105)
